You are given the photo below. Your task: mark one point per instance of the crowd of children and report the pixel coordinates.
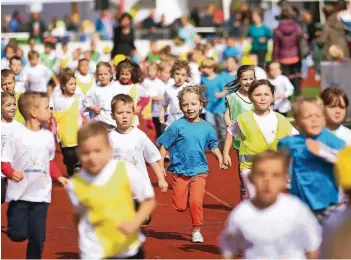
(92, 109)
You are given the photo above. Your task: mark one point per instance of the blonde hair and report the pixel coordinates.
(209, 63)
(106, 65)
(163, 65)
(92, 128)
(300, 100)
(199, 90)
(29, 100)
(282, 156)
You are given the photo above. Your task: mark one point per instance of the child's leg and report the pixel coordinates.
(197, 193)
(158, 126)
(180, 192)
(70, 159)
(3, 189)
(220, 128)
(17, 220)
(245, 175)
(36, 229)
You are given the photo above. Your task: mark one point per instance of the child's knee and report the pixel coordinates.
(181, 207)
(16, 236)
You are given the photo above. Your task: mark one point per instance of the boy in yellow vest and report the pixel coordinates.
(102, 199)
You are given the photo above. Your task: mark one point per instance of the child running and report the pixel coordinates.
(187, 139)
(283, 88)
(102, 199)
(84, 80)
(259, 130)
(28, 162)
(313, 154)
(336, 104)
(8, 126)
(68, 112)
(180, 72)
(273, 225)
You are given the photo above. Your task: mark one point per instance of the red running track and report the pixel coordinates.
(168, 235)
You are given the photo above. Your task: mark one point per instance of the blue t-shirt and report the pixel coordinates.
(312, 178)
(259, 32)
(231, 52)
(187, 143)
(217, 84)
(227, 77)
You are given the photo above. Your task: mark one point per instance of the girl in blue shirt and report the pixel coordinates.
(187, 139)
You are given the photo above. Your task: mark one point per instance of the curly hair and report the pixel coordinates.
(199, 90)
(181, 64)
(135, 70)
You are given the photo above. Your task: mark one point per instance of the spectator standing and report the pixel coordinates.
(36, 27)
(15, 22)
(104, 25)
(187, 31)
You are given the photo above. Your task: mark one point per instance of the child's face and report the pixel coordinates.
(70, 87)
(104, 76)
(274, 70)
(8, 108)
(31, 44)
(42, 111)
(310, 119)
(10, 52)
(34, 61)
(207, 71)
(269, 178)
(94, 153)
(123, 115)
(231, 42)
(8, 84)
(152, 71)
(262, 98)
(232, 65)
(246, 79)
(336, 114)
(180, 76)
(47, 49)
(16, 66)
(165, 74)
(83, 67)
(191, 106)
(125, 76)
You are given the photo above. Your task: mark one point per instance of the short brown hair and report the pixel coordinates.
(28, 100)
(257, 83)
(92, 128)
(64, 78)
(282, 156)
(6, 73)
(300, 100)
(269, 64)
(33, 54)
(126, 99)
(200, 90)
(331, 97)
(181, 64)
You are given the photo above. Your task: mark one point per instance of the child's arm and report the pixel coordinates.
(162, 114)
(221, 94)
(88, 102)
(9, 172)
(56, 174)
(163, 153)
(141, 104)
(227, 119)
(160, 173)
(217, 153)
(322, 151)
(226, 150)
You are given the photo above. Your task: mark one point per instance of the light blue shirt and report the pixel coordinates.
(217, 84)
(187, 143)
(312, 178)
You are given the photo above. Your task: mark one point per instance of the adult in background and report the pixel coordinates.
(123, 38)
(259, 34)
(286, 47)
(104, 25)
(36, 27)
(333, 33)
(187, 31)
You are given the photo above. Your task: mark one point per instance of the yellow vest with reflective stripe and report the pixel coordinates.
(107, 206)
(18, 116)
(85, 86)
(253, 141)
(68, 124)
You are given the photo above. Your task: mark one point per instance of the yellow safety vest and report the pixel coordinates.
(108, 205)
(18, 116)
(68, 124)
(85, 86)
(253, 141)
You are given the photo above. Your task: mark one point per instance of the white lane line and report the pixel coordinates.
(218, 199)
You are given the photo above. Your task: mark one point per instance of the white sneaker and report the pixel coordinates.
(197, 237)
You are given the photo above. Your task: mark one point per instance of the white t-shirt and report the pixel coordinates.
(30, 152)
(260, 73)
(155, 88)
(135, 148)
(20, 82)
(5, 63)
(38, 77)
(268, 125)
(283, 87)
(171, 100)
(89, 243)
(6, 130)
(343, 133)
(287, 229)
(195, 74)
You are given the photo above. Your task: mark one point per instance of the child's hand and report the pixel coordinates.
(227, 161)
(164, 171)
(262, 40)
(137, 110)
(17, 176)
(229, 123)
(313, 146)
(222, 166)
(162, 120)
(163, 185)
(96, 110)
(63, 181)
(128, 227)
(218, 95)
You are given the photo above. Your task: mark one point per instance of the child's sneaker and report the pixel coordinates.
(197, 237)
